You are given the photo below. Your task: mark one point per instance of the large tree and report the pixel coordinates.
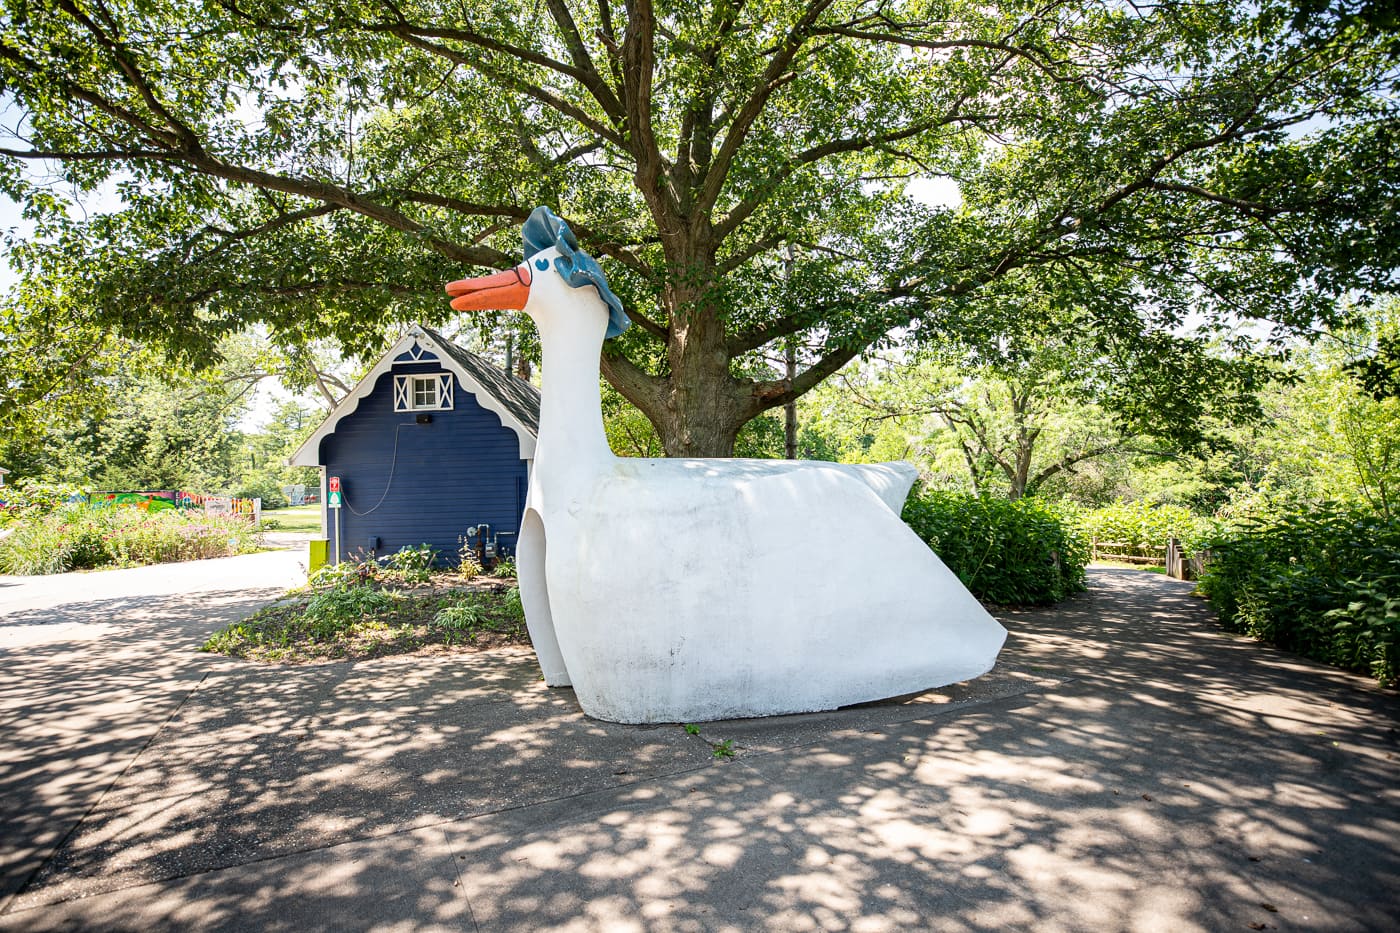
(742, 167)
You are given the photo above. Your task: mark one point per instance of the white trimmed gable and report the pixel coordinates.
(415, 345)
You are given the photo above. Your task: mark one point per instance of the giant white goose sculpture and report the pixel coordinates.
(691, 590)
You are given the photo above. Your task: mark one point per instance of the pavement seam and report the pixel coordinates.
(9, 901)
(457, 870)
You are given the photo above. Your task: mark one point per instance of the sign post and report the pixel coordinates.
(333, 502)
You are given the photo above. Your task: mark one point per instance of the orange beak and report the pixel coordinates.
(501, 291)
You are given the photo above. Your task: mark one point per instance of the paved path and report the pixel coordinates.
(1126, 766)
(91, 666)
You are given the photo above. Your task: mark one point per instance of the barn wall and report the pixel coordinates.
(463, 469)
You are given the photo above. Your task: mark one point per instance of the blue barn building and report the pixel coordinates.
(433, 441)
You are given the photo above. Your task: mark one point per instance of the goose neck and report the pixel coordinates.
(571, 433)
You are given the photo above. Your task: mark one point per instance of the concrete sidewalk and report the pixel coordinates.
(1126, 766)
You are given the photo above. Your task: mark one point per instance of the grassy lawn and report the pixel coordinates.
(297, 518)
(1126, 565)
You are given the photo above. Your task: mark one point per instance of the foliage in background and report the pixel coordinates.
(146, 426)
(1333, 437)
(80, 537)
(1015, 553)
(1144, 527)
(1322, 581)
(1024, 392)
(1324, 436)
(30, 498)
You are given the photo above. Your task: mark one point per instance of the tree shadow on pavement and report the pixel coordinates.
(1128, 766)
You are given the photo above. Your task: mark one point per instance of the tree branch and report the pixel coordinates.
(772, 393)
(744, 209)
(773, 77)
(639, 387)
(1045, 65)
(588, 74)
(549, 99)
(1254, 207)
(638, 72)
(106, 155)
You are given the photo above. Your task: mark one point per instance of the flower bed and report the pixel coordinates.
(78, 537)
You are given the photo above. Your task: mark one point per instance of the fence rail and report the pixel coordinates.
(1126, 552)
(1171, 555)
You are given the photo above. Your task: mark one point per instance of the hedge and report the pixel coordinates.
(1324, 583)
(1016, 553)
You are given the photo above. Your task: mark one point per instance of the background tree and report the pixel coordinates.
(1327, 436)
(1024, 393)
(741, 167)
(125, 421)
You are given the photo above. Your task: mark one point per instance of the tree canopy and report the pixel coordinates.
(742, 168)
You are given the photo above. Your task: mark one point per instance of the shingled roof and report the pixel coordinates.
(516, 394)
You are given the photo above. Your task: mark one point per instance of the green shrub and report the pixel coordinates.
(29, 499)
(513, 606)
(1324, 583)
(504, 569)
(1018, 553)
(413, 563)
(467, 564)
(461, 616)
(333, 611)
(365, 621)
(460, 621)
(346, 573)
(1144, 528)
(35, 547)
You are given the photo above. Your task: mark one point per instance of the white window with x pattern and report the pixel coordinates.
(427, 392)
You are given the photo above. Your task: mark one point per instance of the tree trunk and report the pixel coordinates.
(701, 408)
(698, 407)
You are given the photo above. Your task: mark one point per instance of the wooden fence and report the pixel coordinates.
(1181, 566)
(1171, 556)
(1126, 553)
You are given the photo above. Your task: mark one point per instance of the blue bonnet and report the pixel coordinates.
(541, 231)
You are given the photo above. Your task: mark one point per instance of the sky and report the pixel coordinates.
(9, 219)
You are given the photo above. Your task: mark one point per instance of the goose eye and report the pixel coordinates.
(541, 264)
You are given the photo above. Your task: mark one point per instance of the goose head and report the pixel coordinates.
(561, 287)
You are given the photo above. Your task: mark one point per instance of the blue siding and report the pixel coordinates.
(463, 469)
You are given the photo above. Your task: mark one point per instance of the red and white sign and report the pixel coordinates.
(334, 484)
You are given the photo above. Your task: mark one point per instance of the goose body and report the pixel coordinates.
(691, 590)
